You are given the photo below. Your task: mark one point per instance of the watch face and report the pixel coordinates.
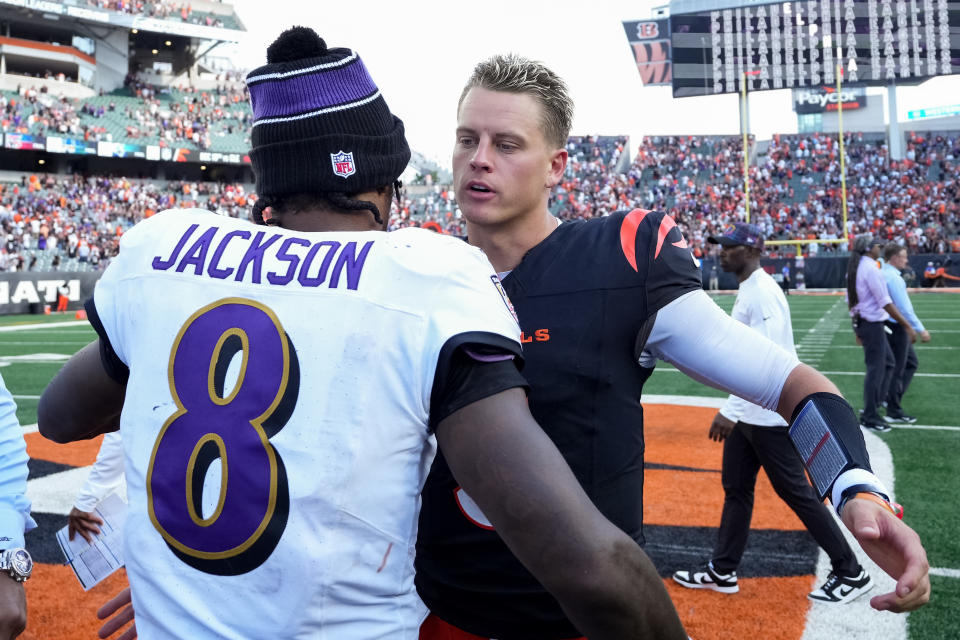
(21, 562)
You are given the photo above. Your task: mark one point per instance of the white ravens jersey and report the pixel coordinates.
(276, 425)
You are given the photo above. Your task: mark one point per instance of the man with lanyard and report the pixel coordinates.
(904, 355)
(870, 307)
(754, 437)
(283, 394)
(599, 301)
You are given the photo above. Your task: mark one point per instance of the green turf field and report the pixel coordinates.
(925, 455)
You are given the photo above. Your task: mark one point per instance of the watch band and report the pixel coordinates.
(893, 507)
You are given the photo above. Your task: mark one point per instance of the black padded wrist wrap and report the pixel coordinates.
(826, 434)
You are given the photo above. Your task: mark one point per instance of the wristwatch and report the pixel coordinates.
(17, 563)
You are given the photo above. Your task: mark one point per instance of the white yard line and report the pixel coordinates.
(945, 573)
(20, 343)
(668, 369)
(816, 339)
(925, 427)
(44, 325)
(919, 347)
(916, 375)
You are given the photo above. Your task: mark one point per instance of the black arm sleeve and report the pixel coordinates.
(472, 367)
(826, 434)
(112, 364)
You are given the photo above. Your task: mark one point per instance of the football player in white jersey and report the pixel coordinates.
(278, 388)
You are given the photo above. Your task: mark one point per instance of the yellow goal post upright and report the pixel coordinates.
(744, 122)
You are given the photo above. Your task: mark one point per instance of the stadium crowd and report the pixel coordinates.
(795, 190)
(167, 117)
(162, 10)
(51, 221)
(72, 223)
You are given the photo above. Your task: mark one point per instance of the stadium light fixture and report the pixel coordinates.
(134, 31)
(203, 167)
(154, 51)
(41, 161)
(168, 43)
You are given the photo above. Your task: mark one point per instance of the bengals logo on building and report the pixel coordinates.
(650, 42)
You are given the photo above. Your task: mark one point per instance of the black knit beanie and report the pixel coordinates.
(320, 123)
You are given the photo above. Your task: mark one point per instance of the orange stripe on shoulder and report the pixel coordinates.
(628, 235)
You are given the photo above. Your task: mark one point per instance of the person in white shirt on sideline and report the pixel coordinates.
(755, 437)
(904, 357)
(106, 477)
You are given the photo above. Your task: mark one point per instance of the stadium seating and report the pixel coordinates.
(795, 191)
(166, 10)
(216, 120)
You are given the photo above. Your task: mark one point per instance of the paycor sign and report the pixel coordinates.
(824, 99)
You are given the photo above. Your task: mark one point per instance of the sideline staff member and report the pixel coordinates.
(870, 306)
(904, 355)
(754, 437)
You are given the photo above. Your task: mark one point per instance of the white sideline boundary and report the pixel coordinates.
(857, 620)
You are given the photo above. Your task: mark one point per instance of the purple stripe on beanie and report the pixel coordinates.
(309, 92)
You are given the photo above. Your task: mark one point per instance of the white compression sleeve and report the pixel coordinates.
(701, 340)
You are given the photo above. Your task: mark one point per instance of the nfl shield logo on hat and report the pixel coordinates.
(343, 164)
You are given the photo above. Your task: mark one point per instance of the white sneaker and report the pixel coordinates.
(841, 589)
(707, 578)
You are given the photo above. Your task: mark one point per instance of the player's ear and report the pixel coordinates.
(558, 164)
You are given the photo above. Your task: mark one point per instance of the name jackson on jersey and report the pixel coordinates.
(312, 264)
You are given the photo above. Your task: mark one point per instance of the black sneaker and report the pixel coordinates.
(879, 426)
(838, 589)
(706, 578)
(900, 418)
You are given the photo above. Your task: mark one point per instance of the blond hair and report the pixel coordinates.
(513, 74)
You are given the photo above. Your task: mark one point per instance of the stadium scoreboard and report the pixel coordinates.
(799, 44)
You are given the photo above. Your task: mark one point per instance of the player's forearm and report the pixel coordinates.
(81, 401)
(896, 315)
(622, 597)
(801, 382)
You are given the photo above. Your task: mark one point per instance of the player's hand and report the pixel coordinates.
(924, 336)
(83, 522)
(896, 548)
(114, 624)
(13, 607)
(858, 340)
(721, 427)
(911, 333)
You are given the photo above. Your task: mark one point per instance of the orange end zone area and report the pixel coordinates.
(677, 436)
(764, 608)
(77, 454)
(59, 609)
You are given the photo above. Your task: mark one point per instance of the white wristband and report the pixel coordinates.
(851, 477)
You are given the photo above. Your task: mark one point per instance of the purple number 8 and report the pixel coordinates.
(251, 511)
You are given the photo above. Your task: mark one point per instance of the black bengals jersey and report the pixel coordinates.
(585, 297)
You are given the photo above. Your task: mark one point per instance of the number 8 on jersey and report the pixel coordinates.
(209, 424)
